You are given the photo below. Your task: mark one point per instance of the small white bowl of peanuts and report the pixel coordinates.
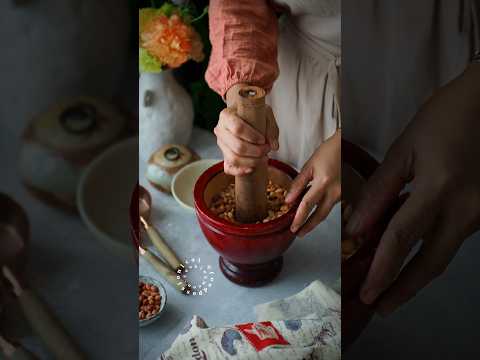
(152, 299)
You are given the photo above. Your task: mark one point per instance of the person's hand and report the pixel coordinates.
(438, 155)
(243, 147)
(323, 173)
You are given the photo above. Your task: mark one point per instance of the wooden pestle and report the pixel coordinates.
(250, 189)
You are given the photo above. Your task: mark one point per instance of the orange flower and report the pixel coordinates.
(171, 41)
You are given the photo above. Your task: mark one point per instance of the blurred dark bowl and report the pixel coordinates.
(357, 166)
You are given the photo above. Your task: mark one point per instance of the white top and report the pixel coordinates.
(395, 54)
(305, 97)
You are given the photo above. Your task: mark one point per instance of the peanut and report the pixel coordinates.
(149, 300)
(223, 204)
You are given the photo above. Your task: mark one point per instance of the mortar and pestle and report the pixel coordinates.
(357, 167)
(14, 241)
(250, 252)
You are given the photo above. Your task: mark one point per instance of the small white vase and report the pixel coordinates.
(165, 113)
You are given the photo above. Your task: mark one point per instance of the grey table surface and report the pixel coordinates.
(93, 293)
(316, 256)
(75, 275)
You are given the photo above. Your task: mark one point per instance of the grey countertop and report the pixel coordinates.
(92, 292)
(90, 289)
(317, 256)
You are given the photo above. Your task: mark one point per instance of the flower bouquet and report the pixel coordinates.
(167, 39)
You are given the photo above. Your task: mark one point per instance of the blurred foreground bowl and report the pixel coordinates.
(104, 196)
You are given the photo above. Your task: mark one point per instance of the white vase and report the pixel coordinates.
(165, 113)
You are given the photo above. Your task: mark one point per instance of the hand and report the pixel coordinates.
(438, 154)
(323, 173)
(243, 147)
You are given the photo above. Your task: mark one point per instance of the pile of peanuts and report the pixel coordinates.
(223, 204)
(349, 245)
(149, 300)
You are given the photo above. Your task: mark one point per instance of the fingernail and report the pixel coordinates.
(275, 144)
(368, 296)
(288, 198)
(293, 228)
(248, 171)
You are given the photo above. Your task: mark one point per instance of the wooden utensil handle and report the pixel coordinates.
(163, 248)
(48, 328)
(165, 271)
(250, 190)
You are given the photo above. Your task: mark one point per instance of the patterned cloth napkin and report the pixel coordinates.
(304, 326)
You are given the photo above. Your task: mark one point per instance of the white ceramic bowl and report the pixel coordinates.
(184, 181)
(104, 196)
(163, 302)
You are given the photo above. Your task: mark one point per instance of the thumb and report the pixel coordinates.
(272, 130)
(381, 190)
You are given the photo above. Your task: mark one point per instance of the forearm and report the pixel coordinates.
(244, 44)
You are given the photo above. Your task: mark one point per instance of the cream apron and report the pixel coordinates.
(305, 97)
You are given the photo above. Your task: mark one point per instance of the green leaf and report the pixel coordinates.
(168, 9)
(147, 62)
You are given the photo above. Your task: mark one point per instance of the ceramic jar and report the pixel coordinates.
(58, 145)
(59, 49)
(165, 163)
(165, 112)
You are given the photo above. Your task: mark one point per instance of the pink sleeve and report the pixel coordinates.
(244, 44)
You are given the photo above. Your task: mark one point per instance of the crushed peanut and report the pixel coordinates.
(149, 300)
(223, 204)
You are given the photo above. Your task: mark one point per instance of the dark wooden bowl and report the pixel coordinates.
(355, 314)
(14, 241)
(134, 217)
(250, 254)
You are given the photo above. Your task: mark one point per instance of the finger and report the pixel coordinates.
(299, 184)
(239, 127)
(405, 229)
(272, 130)
(442, 242)
(380, 191)
(429, 263)
(309, 201)
(241, 147)
(236, 160)
(321, 212)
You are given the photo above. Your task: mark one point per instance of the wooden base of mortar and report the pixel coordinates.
(251, 275)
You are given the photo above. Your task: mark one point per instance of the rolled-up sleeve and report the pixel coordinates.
(244, 44)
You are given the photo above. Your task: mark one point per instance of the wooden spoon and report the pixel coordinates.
(174, 278)
(145, 206)
(43, 321)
